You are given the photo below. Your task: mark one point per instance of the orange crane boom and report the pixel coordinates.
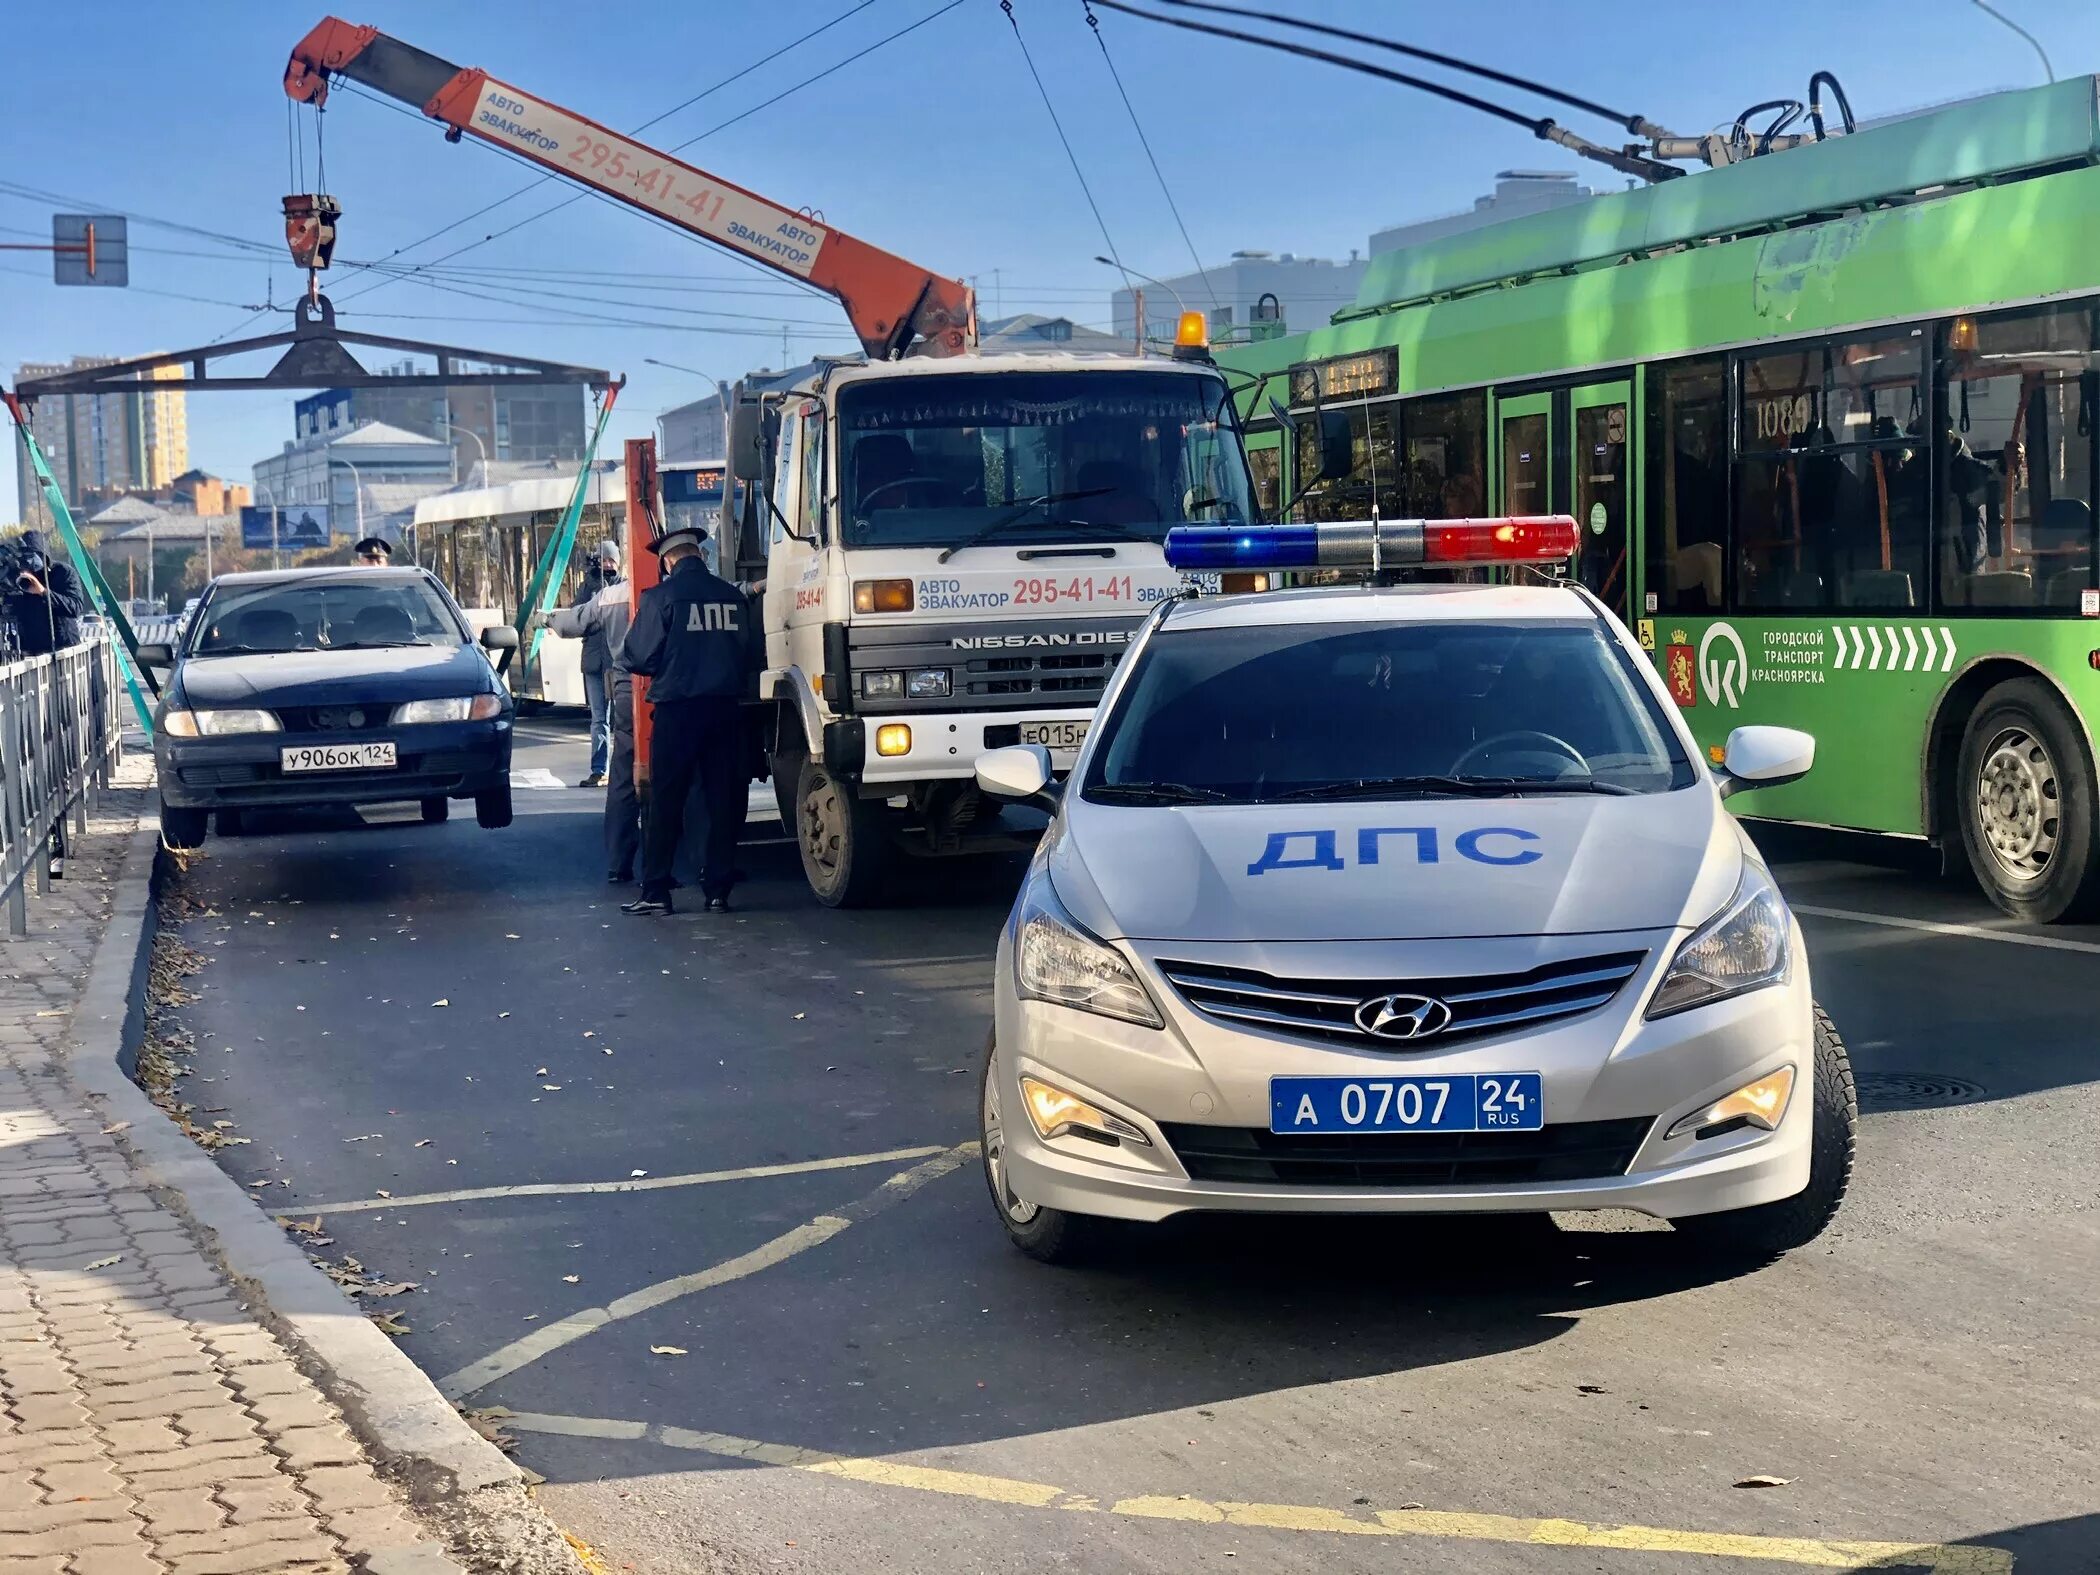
(894, 305)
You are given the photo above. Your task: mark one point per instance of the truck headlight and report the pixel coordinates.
(928, 683)
(881, 686)
(1057, 961)
(452, 708)
(1743, 947)
(219, 724)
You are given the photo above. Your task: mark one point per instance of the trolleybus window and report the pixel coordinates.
(1687, 460)
(1425, 459)
(1831, 478)
(2015, 458)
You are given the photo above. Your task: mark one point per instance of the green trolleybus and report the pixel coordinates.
(1830, 419)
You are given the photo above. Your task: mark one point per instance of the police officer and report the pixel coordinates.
(374, 551)
(696, 641)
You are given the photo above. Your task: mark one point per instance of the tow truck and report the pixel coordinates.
(955, 546)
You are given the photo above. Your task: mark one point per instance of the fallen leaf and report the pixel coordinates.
(425, 1142)
(365, 1137)
(539, 1071)
(1762, 1481)
(667, 1350)
(1591, 1389)
(115, 1127)
(552, 1088)
(638, 1173)
(384, 1193)
(388, 1323)
(310, 1227)
(511, 937)
(800, 1015)
(441, 1001)
(221, 1126)
(388, 1288)
(589, 1033)
(104, 1263)
(571, 1279)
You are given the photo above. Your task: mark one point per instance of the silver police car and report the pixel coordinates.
(1403, 899)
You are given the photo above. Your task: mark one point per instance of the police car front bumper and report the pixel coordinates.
(1205, 1085)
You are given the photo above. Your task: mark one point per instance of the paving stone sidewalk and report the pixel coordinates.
(148, 1423)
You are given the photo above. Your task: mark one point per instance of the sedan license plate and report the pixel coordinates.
(1054, 735)
(1488, 1102)
(338, 757)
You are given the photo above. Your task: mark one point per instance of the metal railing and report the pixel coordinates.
(58, 745)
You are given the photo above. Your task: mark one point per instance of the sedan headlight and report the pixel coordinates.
(1743, 947)
(1055, 960)
(452, 708)
(219, 724)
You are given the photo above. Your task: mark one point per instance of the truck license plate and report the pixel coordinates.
(337, 757)
(1054, 735)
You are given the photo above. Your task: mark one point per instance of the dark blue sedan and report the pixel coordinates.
(330, 686)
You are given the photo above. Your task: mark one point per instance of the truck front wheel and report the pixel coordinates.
(845, 839)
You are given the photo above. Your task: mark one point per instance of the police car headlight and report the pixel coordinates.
(1743, 947)
(1057, 961)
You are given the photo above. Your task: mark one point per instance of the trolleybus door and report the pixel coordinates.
(1602, 424)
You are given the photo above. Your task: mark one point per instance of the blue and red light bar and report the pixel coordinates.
(1375, 544)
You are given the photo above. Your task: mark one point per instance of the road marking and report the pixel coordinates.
(811, 1233)
(1970, 932)
(1446, 1525)
(534, 777)
(567, 1189)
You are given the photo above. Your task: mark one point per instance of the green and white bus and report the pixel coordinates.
(1830, 419)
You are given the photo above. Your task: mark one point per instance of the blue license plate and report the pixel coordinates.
(1487, 1102)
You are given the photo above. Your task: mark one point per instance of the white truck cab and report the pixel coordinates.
(955, 552)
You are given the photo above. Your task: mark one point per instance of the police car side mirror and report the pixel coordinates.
(499, 637)
(1757, 757)
(1020, 772)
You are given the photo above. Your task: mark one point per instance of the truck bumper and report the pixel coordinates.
(947, 744)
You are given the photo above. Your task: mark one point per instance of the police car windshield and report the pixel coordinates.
(1252, 714)
(1066, 456)
(355, 609)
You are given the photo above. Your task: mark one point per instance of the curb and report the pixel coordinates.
(460, 1482)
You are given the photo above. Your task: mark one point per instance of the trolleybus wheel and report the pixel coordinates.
(2025, 795)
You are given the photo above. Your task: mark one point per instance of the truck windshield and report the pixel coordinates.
(1067, 456)
(1386, 710)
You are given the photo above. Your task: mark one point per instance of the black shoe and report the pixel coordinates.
(648, 905)
(718, 904)
(618, 877)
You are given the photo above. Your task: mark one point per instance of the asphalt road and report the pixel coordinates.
(818, 1366)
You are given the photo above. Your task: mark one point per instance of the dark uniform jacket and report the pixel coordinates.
(695, 637)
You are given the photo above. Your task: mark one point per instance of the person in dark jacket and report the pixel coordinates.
(46, 600)
(604, 618)
(697, 641)
(603, 570)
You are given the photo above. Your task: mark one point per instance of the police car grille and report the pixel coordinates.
(1481, 1004)
(1566, 1151)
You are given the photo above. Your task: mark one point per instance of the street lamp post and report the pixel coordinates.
(276, 540)
(721, 398)
(357, 492)
(1138, 295)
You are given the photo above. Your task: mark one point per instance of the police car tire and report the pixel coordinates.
(184, 828)
(2069, 888)
(436, 810)
(861, 874)
(1764, 1231)
(492, 809)
(1049, 1235)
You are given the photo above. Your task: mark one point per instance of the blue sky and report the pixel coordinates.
(935, 146)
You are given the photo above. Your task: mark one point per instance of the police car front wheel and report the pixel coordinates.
(1045, 1234)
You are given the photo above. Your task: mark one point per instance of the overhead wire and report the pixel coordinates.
(1073, 158)
(1093, 22)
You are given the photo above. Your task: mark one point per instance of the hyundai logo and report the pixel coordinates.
(1403, 1016)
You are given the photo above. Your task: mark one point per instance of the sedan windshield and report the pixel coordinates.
(354, 610)
(939, 461)
(1382, 711)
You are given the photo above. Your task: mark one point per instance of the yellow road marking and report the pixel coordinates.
(568, 1189)
(566, 1331)
(1812, 1552)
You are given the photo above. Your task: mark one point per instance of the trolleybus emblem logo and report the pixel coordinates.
(1722, 674)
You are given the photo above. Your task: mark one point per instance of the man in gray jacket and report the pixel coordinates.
(602, 570)
(603, 620)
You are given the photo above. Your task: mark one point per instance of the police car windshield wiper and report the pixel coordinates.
(1155, 793)
(1015, 516)
(1468, 786)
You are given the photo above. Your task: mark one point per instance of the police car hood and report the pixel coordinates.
(1426, 869)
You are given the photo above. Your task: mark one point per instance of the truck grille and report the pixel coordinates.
(1481, 1004)
(1569, 1151)
(1070, 677)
